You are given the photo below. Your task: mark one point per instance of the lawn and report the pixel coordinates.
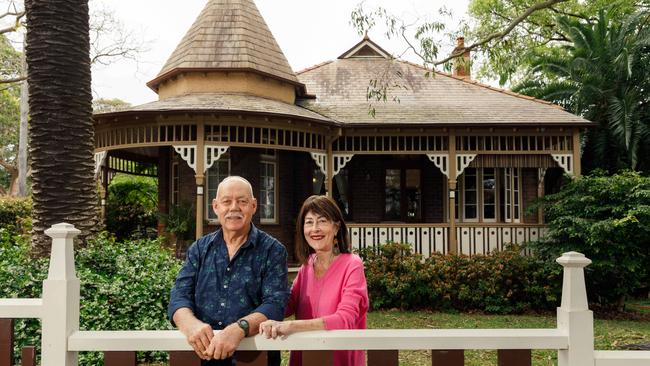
(609, 334)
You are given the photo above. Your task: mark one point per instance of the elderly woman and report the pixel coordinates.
(330, 289)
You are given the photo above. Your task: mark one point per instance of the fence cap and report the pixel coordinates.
(573, 259)
(62, 230)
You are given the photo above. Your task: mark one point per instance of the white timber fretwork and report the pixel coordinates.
(321, 160)
(340, 160)
(565, 161)
(100, 158)
(187, 153)
(462, 162)
(212, 154)
(441, 161)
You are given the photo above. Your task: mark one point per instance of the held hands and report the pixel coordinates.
(209, 346)
(273, 328)
(199, 335)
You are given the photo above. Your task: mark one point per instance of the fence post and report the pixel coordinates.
(574, 316)
(60, 299)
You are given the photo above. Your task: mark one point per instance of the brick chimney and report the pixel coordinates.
(461, 64)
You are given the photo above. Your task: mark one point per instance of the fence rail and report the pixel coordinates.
(62, 340)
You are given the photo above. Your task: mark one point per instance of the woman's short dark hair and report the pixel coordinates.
(326, 207)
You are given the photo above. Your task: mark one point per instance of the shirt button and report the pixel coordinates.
(225, 286)
(228, 269)
(220, 323)
(223, 304)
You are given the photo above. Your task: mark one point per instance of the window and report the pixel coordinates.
(403, 195)
(268, 189)
(217, 172)
(512, 195)
(175, 183)
(478, 194)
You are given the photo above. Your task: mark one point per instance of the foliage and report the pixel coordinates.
(132, 207)
(604, 76)
(180, 221)
(509, 59)
(124, 286)
(9, 114)
(607, 218)
(15, 215)
(104, 105)
(502, 282)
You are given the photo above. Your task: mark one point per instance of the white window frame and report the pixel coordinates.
(478, 204)
(512, 188)
(270, 159)
(210, 196)
(496, 195)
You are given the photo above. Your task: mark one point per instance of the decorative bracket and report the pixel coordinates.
(462, 162)
(441, 161)
(340, 160)
(565, 161)
(187, 153)
(100, 158)
(321, 160)
(212, 154)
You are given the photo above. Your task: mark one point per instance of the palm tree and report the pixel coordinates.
(61, 130)
(604, 77)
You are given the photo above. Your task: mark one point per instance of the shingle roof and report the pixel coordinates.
(221, 102)
(228, 34)
(341, 87)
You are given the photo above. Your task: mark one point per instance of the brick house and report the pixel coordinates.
(451, 167)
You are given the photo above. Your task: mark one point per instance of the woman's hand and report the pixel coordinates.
(273, 328)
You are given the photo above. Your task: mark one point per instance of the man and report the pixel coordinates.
(232, 280)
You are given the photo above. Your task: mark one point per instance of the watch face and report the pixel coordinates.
(243, 324)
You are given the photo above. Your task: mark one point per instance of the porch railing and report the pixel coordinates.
(472, 238)
(62, 339)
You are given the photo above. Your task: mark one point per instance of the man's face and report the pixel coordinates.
(234, 206)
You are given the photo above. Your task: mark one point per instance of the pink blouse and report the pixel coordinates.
(340, 297)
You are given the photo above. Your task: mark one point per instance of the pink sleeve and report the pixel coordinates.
(354, 299)
(295, 294)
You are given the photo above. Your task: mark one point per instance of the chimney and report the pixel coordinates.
(461, 64)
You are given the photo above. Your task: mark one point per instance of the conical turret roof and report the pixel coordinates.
(228, 35)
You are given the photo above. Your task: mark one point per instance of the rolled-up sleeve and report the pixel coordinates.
(354, 300)
(275, 291)
(182, 294)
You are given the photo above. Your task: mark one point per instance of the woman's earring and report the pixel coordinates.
(335, 249)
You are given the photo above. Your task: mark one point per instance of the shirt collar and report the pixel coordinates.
(253, 234)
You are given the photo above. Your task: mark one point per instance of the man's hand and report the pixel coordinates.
(198, 334)
(225, 342)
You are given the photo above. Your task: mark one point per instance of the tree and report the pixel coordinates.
(509, 59)
(604, 76)
(109, 105)
(61, 129)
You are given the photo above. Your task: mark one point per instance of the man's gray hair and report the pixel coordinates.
(231, 178)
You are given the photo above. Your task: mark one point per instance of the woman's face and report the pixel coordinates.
(319, 232)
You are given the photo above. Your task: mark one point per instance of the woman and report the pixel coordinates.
(330, 289)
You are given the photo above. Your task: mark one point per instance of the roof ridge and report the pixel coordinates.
(490, 87)
(313, 67)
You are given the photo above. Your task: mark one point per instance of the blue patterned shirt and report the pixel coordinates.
(219, 291)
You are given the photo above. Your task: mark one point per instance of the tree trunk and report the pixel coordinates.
(22, 132)
(61, 130)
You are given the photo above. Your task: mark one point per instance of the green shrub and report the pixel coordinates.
(132, 207)
(502, 282)
(124, 286)
(607, 218)
(16, 214)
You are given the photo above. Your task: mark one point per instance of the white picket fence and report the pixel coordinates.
(62, 340)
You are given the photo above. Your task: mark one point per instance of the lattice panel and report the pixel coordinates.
(268, 137)
(144, 135)
(394, 144)
(514, 143)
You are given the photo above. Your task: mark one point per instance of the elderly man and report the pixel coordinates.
(232, 280)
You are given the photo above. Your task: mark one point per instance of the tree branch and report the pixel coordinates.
(13, 80)
(503, 33)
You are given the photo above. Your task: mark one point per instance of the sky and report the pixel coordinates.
(308, 31)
